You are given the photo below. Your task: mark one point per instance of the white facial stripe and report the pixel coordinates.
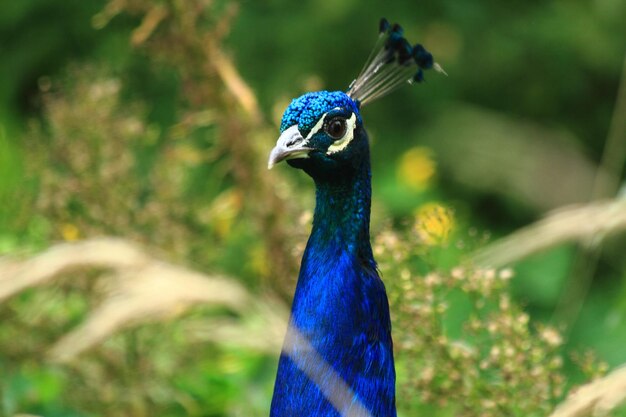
(341, 144)
(316, 128)
(318, 125)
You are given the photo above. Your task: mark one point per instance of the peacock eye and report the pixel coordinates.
(336, 128)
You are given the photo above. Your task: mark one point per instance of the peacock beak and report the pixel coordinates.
(290, 145)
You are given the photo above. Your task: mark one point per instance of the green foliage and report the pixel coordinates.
(466, 347)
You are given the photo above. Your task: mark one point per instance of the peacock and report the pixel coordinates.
(337, 357)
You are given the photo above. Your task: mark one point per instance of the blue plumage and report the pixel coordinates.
(337, 357)
(306, 110)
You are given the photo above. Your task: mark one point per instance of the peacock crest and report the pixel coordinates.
(392, 62)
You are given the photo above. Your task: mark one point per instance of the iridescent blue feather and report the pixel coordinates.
(337, 358)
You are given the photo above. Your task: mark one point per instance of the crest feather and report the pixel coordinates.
(392, 62)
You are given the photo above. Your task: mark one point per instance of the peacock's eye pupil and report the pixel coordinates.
(336, 128)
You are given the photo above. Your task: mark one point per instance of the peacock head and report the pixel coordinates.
(322, 132)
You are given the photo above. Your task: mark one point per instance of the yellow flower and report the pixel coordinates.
(434, 223)
(416, 168)
(69, 232)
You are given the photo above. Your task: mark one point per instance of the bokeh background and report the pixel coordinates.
(151, 121)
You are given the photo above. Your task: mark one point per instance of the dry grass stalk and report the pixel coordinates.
(609, 176)
(331, 384)
(149, 23)
(589, 223)
(262, 329)
(236, 84)
(16, 276)
(597, 398)
(144, 289)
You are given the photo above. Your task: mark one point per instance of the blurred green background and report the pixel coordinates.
(129, 118)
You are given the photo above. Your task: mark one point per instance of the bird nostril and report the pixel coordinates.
(293, 142)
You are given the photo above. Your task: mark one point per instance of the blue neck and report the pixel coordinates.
(342, 214)
(340, 309)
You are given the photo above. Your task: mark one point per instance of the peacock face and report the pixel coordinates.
(321, 133)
